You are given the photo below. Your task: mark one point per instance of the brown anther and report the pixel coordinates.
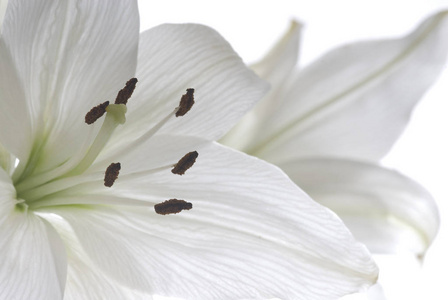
(125, 93)
(96, 113)
(111, 175)
(172, 206)
(185, 163)
(186, 102)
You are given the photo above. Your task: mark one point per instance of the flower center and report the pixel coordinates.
(49, 188)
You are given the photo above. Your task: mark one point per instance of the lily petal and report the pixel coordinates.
(247, 236)
(355, 101)
(84, 279)
(70, 56)
(33, 256)
(275, 68)
(191, 56)
(385, 210)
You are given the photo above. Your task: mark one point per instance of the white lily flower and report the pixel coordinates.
(92, 202)
(329, 124)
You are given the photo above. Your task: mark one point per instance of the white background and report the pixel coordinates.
(422, 152)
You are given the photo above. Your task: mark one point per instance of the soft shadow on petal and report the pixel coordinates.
(375, 292)
(276, 68)
(251, 234)
(70, 56)
(3, 4)
(33, 256)
(15, 133)
(385, 210)
(173, 58)
(356, 100)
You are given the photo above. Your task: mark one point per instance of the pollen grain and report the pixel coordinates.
(172, 206)
(111, 174)
(96, 113)
(186, 102)
(125, 93)
(185, 163)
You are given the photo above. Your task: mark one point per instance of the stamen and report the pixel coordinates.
(172, 206)
(96, 113)
(56, 186)
(111, 175)
(92, 199)
(185, 163)
(125, 93)
(114, 117)
(186, 102)
(82, 159)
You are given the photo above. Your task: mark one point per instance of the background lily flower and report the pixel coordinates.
(84, 182)
(328, 125)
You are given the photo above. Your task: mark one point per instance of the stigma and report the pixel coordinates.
(122, 98)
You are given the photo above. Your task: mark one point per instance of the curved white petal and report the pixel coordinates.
(15, 135)
(376, 292)
(6, 160)
(173, 58)
(251, 233)
(383, 209)
(356, 100)
(84, 279)
(70, 56)
(281, 60)
(276, 68)
(33, 256)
